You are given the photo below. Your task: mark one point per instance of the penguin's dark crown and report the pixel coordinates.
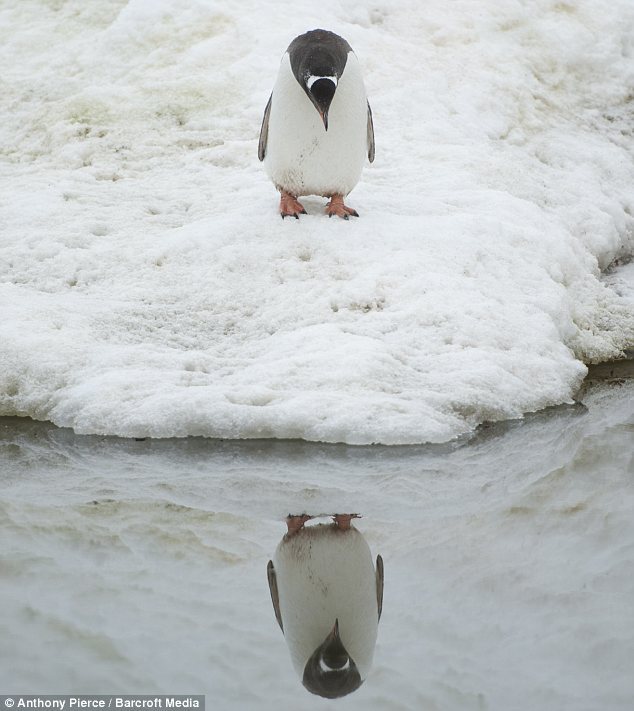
(318, 53)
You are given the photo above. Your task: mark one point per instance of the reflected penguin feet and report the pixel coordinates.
(336, 207)
(295, 523)
(342, 521)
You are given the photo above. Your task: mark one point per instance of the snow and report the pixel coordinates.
(149, 288)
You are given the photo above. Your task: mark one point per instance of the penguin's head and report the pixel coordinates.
(318, 59)
(330, 671)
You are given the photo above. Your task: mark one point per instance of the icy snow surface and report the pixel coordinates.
(149, 287)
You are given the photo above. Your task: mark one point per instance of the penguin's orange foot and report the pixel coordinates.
(290, 206)
(296, 523)
(342, 521)
(337, 207)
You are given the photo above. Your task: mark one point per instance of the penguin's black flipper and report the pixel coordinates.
(264, 131)
(275, 598)
(370, 135)
(379, 584)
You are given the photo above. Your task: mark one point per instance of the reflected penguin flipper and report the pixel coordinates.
(275, 598)
(379, 584)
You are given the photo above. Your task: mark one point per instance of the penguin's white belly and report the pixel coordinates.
(301, 156)
(325, 574)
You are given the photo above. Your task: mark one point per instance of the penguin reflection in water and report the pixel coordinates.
(327, 598)
(317, 127)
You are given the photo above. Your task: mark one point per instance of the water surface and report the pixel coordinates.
(140, 566)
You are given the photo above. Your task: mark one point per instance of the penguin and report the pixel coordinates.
(317, 127)
(328, 598)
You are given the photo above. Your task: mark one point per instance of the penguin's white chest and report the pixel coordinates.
(322, 575)
(303, 158)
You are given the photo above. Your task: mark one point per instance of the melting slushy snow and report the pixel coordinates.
(149, 287)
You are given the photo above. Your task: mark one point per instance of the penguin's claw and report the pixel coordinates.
(295, 523)
(336, 207)
(342, 521)
(290, 206)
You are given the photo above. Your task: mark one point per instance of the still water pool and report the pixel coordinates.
(140, 566)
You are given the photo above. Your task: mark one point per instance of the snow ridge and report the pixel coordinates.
(148, 287)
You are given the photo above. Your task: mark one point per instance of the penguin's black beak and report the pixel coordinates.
(334, 632)
(321, 91)
(334, 653)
